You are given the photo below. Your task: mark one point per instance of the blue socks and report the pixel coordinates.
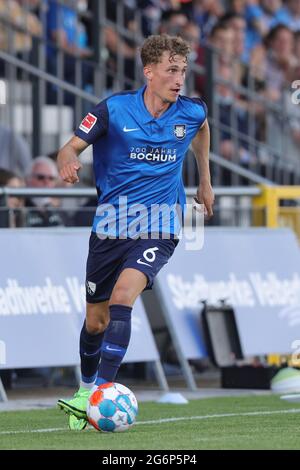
(115, 343)
(90, 351)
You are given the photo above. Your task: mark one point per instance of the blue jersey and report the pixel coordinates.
(139, 158)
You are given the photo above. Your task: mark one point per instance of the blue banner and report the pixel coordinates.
(257, 270)
(42, 300)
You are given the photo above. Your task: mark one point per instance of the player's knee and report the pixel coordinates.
(122, 295)
(95, 326)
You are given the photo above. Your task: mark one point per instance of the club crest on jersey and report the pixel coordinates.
(180, 131)
(88, 123)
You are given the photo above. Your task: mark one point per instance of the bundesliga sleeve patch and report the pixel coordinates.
(88, 123)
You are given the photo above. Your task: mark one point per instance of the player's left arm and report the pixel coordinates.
(200, 145)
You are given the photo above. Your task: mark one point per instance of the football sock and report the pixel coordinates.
(90, 351)
(115, 343)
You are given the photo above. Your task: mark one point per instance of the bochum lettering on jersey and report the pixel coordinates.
(153, 154)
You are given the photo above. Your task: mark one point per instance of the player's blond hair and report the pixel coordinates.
(154, 47)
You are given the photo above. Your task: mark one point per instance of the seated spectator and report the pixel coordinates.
(151, 14)
(172, 22)
(241, 76)
(230, 108)
(207, 14)
(283, 131)
(221, 43)
(238, 25)
(290, 14)
(68, 34)
(119, 46)
(15, 38)
(296, 71)
(273, 61)
(65, 29)
(44, 211)
(12, 215)
(191, 33)
(15, 153)
(222, 39)
(272, 14)
(155, 12)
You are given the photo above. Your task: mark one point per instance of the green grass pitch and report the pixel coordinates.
(248, 422)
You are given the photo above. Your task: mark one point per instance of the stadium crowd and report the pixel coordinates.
(256, 46)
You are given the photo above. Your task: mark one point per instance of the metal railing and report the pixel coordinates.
(219, 191)
(233, 206)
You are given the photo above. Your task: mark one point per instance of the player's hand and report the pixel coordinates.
(68, 171)
(205, 196)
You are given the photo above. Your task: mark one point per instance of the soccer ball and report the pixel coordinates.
(112, 407)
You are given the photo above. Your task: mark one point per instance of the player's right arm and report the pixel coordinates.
(92, 128)
(67, 159)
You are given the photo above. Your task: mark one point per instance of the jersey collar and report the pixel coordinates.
(147, 117)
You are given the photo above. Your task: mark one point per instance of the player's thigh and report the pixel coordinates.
(128, 287)
(97, 316)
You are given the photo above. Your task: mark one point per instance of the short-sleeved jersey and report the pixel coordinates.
(137, 156)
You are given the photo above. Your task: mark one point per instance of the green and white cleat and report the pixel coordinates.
(77, 405)
(76, 424)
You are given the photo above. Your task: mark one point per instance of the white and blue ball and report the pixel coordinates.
(112, 407)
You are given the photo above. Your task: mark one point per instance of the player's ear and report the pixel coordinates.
(148, 72)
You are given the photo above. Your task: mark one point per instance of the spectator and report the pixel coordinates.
(207, 14)
(222, 40)
(120, 46)
(195, 81)
(155, 11)
(237, 23)
(172, 22)
(283, 127)
(12, 215)
(273, 61)
(191, 33)
(296, 73)
(69, 35)
(13, 38)
(44, 211)
(15, 153)
(151, 15)
(272, 14)
(230, 110)
(64, 28)
(290, 14)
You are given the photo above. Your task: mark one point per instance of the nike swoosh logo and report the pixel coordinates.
(139, 261)
(91, 354)
(108, 348)
(130, 130)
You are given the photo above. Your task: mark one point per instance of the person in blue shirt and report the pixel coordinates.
(67, 33)
(139, 142)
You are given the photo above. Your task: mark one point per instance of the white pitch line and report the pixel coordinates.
(169, 420)
(223, 415)
(25, 431)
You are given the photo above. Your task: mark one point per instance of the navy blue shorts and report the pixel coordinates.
(109, 257)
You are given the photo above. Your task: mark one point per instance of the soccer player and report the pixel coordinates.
(139, 142)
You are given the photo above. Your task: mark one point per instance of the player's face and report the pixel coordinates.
(166, 78)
